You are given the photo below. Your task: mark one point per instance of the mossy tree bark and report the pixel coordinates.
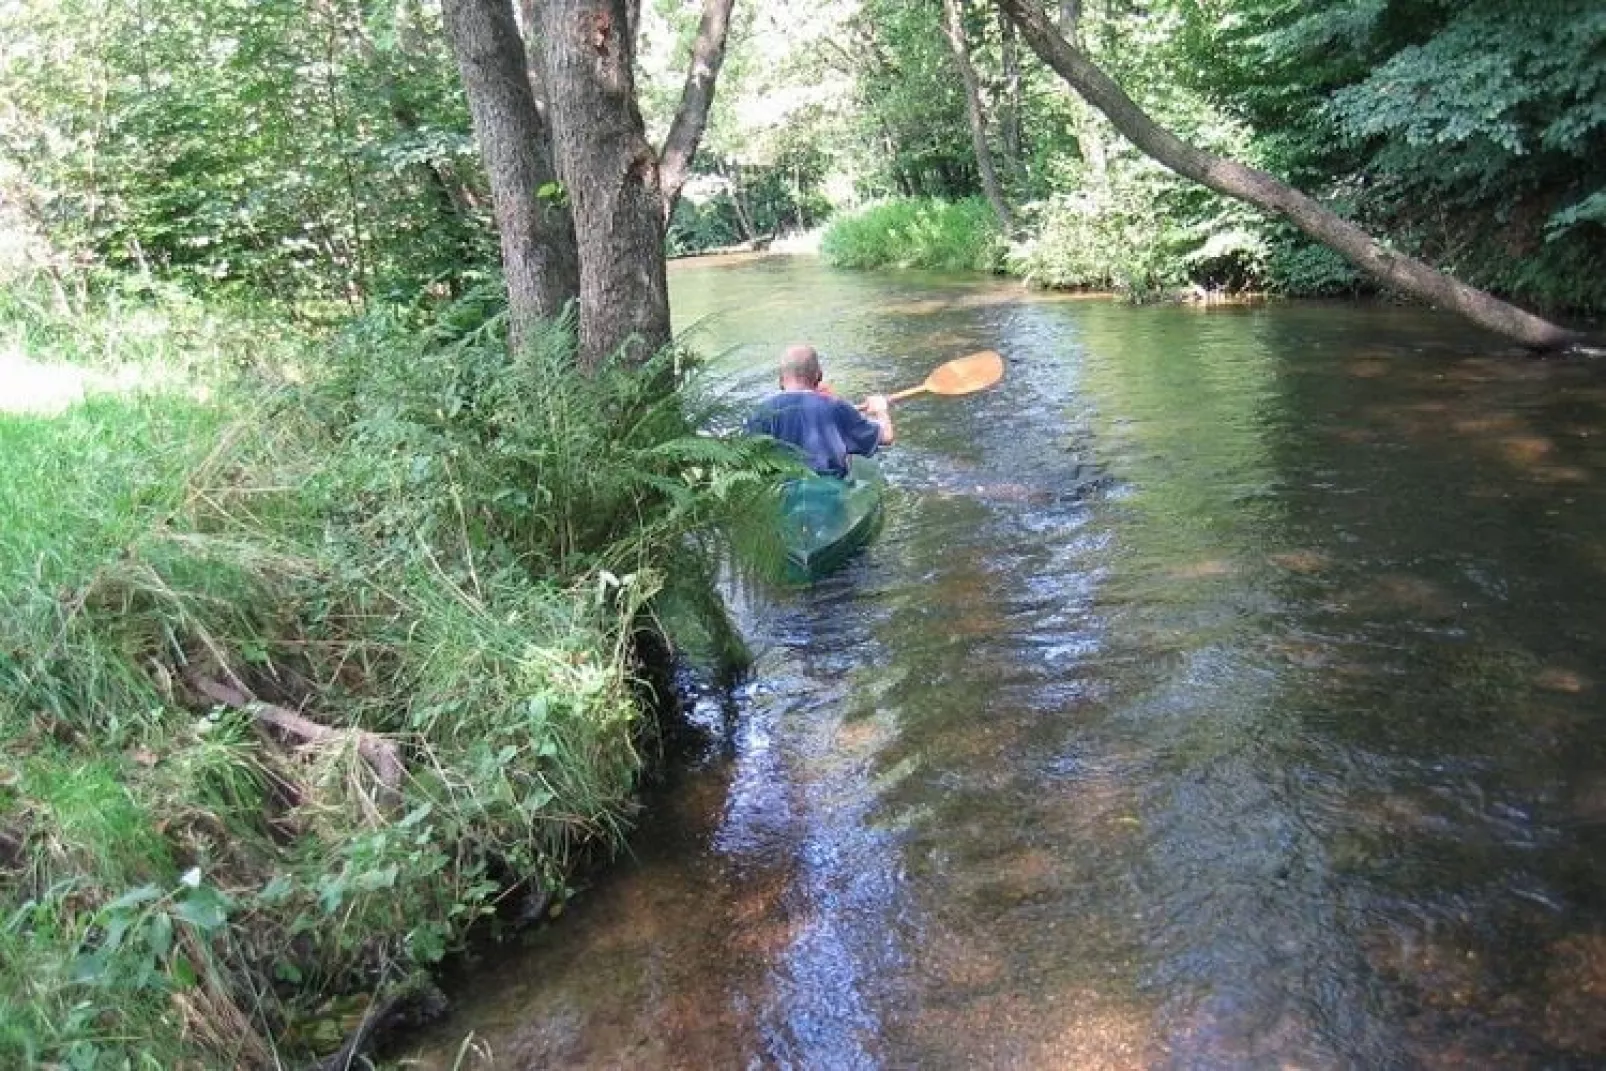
(1266, 192)
(564, 108)
(614, 179)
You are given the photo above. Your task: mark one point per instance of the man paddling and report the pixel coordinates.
(823, 428)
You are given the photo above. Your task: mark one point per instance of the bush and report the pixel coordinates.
(428, 548)
(916, 233)
(1142, 232)
(1302, 268)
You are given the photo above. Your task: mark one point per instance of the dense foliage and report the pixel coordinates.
(424, 539)
(325, 152)
(1474, 133)
(1470, 134)
(299, 151)
(916, 233)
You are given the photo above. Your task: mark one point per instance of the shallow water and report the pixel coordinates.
(1224, 691)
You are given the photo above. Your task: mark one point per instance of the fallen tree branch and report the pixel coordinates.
(380, 754)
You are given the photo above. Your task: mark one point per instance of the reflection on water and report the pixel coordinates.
(1221, 693)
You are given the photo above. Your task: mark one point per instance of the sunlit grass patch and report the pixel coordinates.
(916, 233)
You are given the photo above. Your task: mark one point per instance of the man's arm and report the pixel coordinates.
(862, 432)
(879, 412)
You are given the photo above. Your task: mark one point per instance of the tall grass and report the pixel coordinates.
(916, 233)
(424, 542)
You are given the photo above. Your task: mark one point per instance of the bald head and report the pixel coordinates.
(800, 368)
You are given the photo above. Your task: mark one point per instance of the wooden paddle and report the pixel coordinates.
(963, 375)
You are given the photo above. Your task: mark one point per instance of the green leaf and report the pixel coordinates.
(374, 880)
(427, 943)
(159, 934)
(89, 968)
(331, 893)
(277, 891)
(134, 897)
(184, 973)
(204, 908)
(417, 815)
(116, 929)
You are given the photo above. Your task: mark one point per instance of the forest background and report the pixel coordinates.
(323, 152)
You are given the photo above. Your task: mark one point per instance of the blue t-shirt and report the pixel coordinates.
(824, 430)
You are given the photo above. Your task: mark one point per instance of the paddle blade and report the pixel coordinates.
(967, 374)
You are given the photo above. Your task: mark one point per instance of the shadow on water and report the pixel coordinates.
(1220, 693)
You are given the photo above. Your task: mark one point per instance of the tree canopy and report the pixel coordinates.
(327, 151)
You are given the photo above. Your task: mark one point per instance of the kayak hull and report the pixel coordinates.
(824, 520)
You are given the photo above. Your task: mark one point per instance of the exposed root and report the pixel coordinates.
(411, 1004)
(380, 753)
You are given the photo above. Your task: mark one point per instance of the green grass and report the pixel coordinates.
(916, 233)
(423, 540)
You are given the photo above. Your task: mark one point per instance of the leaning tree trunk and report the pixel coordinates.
(611, 175)
(680, 144)
(954, 27)
(1262, 190)
(539, 255)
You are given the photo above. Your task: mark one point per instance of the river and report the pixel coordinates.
(1223, 691)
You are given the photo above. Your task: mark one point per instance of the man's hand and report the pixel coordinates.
(877, 409)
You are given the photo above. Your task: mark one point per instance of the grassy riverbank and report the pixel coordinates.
(1131, 244)
(428, 561)
(1146, 236)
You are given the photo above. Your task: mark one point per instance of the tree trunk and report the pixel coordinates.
(680, 145)
(1262, 190)
(738, 196)
(534, 55)
(539, 254)
(1009, 112)
(954, 28)
(611, 175)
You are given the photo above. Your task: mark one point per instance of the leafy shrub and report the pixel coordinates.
(1302, 268)
(701, 225)
(916, 233)
(1088, 241)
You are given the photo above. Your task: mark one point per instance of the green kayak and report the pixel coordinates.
(824, 519)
